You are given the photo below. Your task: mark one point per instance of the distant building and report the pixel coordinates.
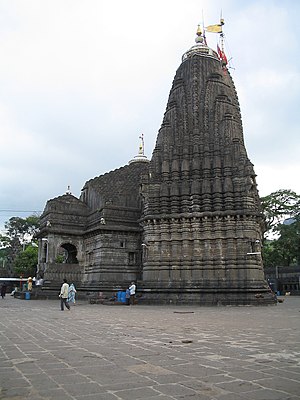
(284, 279)
(186, 225)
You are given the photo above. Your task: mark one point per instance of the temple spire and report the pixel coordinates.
(201, 211)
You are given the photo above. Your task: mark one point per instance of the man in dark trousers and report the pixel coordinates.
(64, 292)
(132, 289)
(3, 290)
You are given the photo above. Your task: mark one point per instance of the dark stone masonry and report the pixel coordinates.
(186, 225)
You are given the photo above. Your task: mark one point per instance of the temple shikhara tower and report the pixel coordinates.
(185, 225)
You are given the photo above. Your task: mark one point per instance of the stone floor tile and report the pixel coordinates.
(175, 390)
(80, 389)
(98, 396)
(238, 386)
(289, 386)
(137, 393)
(266, 394)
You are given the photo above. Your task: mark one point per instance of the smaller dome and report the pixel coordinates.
(140, 157)
(200, 48)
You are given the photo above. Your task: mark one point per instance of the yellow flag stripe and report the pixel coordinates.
(214, 28)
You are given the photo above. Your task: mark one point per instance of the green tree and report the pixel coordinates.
(26, 261)
(4, 240)
(18, 227)
(278, 206)
(3, 262)
(281, 245)
(19, 232)
(270, 254)
(287, 246)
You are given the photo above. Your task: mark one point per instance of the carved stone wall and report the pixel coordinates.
(113, 257)
(55, 273)
(202, 215)
(102, 228)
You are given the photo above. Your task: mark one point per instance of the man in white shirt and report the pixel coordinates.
(132, 289)
(64, 292)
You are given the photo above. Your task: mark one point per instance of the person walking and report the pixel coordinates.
(64, 292)
(127, 297)
(72, 293)
(132, 289)
(3, 290)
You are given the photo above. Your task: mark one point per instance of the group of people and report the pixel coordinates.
(37, 282)
(67, 295)
(68, 292)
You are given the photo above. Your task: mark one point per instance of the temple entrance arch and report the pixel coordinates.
(69, 253)
(44, 257)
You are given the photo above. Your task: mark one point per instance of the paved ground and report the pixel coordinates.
(144, 352)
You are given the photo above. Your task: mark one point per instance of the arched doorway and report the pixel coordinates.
(68, 252)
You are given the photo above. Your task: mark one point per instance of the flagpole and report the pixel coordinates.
(222, 34)
(142, 144)
(203, 26)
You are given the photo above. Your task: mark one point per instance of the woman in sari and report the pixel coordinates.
(71, 295)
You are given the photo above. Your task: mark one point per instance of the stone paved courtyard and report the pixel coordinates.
(144, 352)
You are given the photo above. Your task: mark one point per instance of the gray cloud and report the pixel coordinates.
(80, 81)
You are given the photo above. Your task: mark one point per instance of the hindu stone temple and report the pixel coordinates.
(185, 225)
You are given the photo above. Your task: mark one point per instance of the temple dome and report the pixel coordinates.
(200, 48)
(140, 157)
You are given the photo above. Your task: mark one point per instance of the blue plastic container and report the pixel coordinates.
(119, 294)
(123, 297)
(27, 295)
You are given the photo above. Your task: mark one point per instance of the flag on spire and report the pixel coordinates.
(222, 55)
(214, 28)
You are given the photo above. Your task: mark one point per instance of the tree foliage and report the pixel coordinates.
(278, 206)
(269, 253)
(19, 232)
(288, 243)
(18, 227)
(26, 261)
(282, 213)
(3, 261)
(4, 240)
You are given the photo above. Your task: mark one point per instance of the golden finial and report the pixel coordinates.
(199, 38)
(141, 156)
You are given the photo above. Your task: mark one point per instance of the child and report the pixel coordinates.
(127, 296)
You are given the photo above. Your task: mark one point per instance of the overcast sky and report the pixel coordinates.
(80, 80)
